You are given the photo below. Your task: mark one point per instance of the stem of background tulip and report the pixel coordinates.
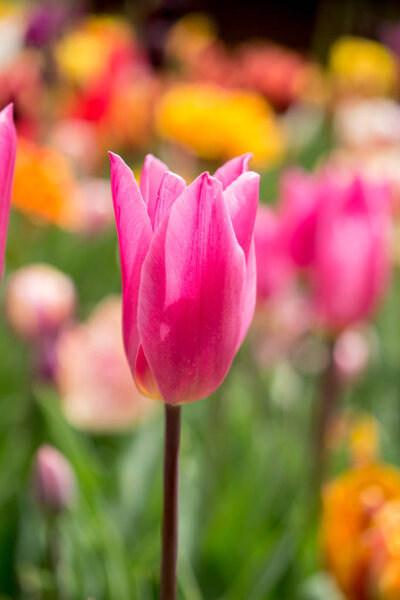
(326, 406)
(53, 556)
(170, 506)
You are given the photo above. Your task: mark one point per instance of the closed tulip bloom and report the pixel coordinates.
(188, 273)
(351, 255)
(8, 147)
(54, 483)
(39, 300)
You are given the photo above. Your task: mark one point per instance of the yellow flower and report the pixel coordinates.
(217, 123)
(350, 506)
(363, 65)
(84, 53)
(44, 186)
(189, 36)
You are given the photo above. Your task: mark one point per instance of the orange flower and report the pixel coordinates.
(44, 186)
(350, 507)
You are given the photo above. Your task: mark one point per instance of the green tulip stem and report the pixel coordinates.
(170, 505)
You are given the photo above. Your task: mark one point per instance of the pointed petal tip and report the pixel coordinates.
(114, 158)
(118, 165)
(246, 159)
(7, 113)
(171, 180)
(208, 179)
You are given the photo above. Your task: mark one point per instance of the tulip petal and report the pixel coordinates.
(241, 198)
(171, 187)
(191, 292)
(249, 293)
(134, 237)
(232, 169)
(144, 379)
(150, 180)
(8, 147)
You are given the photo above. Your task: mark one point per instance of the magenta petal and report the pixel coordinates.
(249, 293)
(171, 187)
(232, 169)
(150, 180)
(8, 147)
(191, 293)
(134, 237)
(144, 379)
(241, 198)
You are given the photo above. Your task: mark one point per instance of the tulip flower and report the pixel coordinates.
(54, 482)
(359, 531)
(188, 274)
(188, 284)
(8, 147)
(39, 300)
(336, 229)
(54, 488)
(351, 265)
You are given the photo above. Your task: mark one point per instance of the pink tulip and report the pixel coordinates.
(274, 269)
(54, 483)
(300, 204)
(351, 264)
(8, 147)
(188, 273)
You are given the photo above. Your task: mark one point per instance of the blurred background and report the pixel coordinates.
(290, 472)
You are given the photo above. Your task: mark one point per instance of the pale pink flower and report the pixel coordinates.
(39, 300)
(93, 378)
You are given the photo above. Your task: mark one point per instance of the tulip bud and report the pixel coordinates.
(352, 352)
(39, 299)
(188, 273)
(54, 483)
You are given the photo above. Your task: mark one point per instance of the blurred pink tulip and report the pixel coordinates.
(92, 375)
(336, 227)
(274, 269)
(54, 483)
(188, 273)
(299, 215)
(8, 147)
(351, 265)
